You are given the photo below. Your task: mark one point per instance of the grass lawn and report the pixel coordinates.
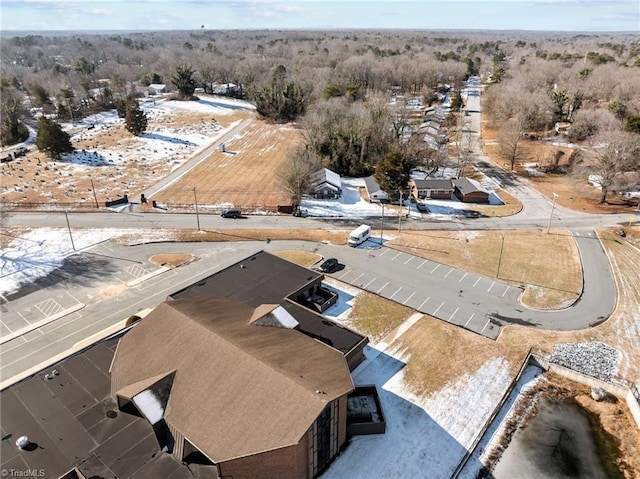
(376, 317)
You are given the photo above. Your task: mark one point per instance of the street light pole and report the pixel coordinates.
(195, 199)
(381, 223)
(553, 205)
(400, 213)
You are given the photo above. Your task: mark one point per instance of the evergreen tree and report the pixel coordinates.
(135, 120)
(52, 139)
(183, 80)
(393, 173)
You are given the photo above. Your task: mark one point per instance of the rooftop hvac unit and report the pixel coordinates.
(22, 442)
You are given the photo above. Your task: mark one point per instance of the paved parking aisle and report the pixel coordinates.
(444, 292)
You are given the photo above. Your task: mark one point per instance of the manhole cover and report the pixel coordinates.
(112, 414)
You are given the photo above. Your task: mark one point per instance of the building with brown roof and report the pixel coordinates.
(470, 191)
(236, 374)
(432, 188)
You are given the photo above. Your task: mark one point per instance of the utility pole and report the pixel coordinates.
(553, 205)
(95, 197)
(69, 228)
(195, 199)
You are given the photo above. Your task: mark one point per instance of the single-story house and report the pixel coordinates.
(376, 194)
(236, 374)
(326, 184)
(470, 191)
(433, 188)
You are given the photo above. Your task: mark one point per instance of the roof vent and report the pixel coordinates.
(23, 442)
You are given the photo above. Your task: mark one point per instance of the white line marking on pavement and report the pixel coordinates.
(384, 252)
(438, 308)
(454, 313)
(469, 320)
(394, 258)
(482, 330)
(345, 273)
(477, 281)
(450, 271)
(367, 285)
(437, 266)
(423, 303)
(385, 285)
(492, 285)
(407, 300)
(421, 264)
(505, 291)
(396, 292)
(361, 275)
(463, 277)
(410, 258)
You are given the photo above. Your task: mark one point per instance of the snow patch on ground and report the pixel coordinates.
(41, 251)
(425, 437)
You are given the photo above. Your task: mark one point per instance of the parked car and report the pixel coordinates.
(423, 208)
(231, 213)
(329, 265)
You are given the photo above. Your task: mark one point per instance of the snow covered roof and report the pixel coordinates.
(326, 175)
(468, 185)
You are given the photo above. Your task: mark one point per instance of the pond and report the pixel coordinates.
(557, 443)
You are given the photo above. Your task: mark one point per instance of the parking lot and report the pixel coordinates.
(450, 294)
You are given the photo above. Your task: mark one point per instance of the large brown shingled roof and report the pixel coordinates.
(239, 388)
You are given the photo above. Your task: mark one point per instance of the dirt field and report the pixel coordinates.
(245, 176)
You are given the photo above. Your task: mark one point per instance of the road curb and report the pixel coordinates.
(137, 281)
(43, 322)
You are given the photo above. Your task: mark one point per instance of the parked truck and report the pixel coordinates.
(359, 235)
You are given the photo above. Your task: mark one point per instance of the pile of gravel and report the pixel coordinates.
(595, 359)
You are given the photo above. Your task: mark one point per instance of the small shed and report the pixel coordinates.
(157, 89)
(376, 194)
(433, 188)
(326, 184)
(470, 191)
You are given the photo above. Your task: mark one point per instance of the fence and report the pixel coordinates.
(620, 389)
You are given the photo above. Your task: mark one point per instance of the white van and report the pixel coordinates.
(359, 235)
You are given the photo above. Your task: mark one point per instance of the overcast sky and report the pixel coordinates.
(565, 15)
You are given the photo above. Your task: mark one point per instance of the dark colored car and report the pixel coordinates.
(423, 208)
(329, 265)
(231, 214)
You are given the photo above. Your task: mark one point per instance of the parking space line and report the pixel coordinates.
(361, 275)
(485, 326)
(49, 307)
(410, 258)
(346, 273)
(454, 313)
(463, 277)
(450, 271)
(423, 303)
(492, 285)
(407, 300)
(367, 285)
(396, 292)
(394, 258)
(438, 308)
(384, 252)
(385, 285)
(437, 266)
(469, 320)
(8, 328)
(421, 264)
(505, 291)
(477, 281)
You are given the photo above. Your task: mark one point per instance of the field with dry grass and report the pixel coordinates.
(246, 175)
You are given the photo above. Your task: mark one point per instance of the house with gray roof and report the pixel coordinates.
(326, 184)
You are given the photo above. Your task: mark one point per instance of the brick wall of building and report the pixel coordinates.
(286, 463)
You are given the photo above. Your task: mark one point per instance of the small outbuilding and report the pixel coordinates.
(376, 194)
(470, 191)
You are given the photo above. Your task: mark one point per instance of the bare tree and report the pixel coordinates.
(296, 171)
(616, 154)
(510, 142)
